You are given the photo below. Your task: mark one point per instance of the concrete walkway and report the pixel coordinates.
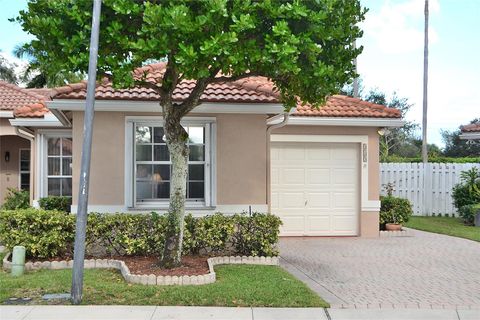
(213, 313)
(425, 271)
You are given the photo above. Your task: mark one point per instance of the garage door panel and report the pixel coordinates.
(291, 200)
(342, 200)
(292, 176)
(318, 176)
(292, 153)
(345, 176)
(315, 188)
(318, 200)
(344, 224)
(343, 153)
(315, 224)
(318, 153)
(292, 225)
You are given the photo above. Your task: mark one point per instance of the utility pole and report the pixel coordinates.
(355, 81)
(425, 89)
(79, 248)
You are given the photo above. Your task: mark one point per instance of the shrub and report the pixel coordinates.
(468, 213)
(45, 234)
(467, 192)
(16, 199)
(256, 235)
(51, 233)
(209, 234)
(55, 203)
(394, 210)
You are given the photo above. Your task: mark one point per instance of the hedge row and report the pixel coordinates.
(438, 159)
(47, 234)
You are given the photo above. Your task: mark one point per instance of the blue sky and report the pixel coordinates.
(393, 56)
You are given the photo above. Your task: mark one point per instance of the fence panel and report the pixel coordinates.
(427, 186)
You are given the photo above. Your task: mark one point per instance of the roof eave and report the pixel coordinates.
(153, 106)
(344, 121)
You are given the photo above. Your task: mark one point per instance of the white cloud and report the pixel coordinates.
(398, 27)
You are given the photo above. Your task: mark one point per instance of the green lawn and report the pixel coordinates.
(444, 225)
(237, 285)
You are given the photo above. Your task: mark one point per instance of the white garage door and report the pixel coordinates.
(315, 188)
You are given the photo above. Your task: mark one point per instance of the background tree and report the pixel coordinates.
(399, 142)
(305, 47)
(456, 147)
(34, 76)
(7, 71)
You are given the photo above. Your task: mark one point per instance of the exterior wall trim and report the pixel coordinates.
(49, 120)
(341, 121)
(470, 136)
(153, 106)
(365, 203)
(6, 114)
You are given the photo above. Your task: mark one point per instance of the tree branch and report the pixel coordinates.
(233, 78)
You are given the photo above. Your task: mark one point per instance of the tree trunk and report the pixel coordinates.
(177, 145)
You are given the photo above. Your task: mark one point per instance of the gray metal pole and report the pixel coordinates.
(425, 89)
(79, 248)
(355, 81)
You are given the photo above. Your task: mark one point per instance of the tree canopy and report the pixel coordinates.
(305, 47)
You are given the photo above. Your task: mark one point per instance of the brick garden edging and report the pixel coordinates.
(149, 279)
(401, 233)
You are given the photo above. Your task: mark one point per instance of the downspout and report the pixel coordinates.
(284, 122)
(29, 135)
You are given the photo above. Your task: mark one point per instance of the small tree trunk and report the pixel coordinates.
(177, 145)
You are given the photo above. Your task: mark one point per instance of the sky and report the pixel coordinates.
(392, 59)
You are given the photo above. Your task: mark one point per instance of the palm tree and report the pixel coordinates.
(7, 71)
(425, 89)
(34, 76)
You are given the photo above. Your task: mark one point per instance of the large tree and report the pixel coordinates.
(456, 147)
(305, 47)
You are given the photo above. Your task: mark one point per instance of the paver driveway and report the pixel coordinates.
(425, 270)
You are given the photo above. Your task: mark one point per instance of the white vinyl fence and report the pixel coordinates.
(428, 187)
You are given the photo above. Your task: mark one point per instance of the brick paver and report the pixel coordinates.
(425, 270)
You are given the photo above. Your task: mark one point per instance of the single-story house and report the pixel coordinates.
(470, 132)
(318, 169)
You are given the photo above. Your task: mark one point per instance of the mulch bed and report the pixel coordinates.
(191, 266)
(145, 265)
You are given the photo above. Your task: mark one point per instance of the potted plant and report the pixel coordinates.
(394, 211)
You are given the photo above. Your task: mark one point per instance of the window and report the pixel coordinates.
(24, 165)
(151, 165)
(59, 166)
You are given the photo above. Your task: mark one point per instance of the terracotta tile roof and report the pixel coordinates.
(344, 106)
(33, 110)
(19, 100)
(248, 90)
(474, 127)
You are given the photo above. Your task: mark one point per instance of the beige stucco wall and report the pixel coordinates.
(5, 128)
(368, 220)
(240, 158)
(9, 171)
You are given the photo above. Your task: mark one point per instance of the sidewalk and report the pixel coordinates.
(214, 313)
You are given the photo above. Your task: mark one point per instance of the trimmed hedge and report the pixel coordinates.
(438, 159)
(59, 203)
(16, 199)
(47, 234)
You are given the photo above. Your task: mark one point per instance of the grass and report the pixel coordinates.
(236, 285)
(445, 225)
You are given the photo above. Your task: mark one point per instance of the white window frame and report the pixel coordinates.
(42, 162)
(209, 124)
(20, 171)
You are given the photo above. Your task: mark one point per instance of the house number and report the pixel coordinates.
(365, 152)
